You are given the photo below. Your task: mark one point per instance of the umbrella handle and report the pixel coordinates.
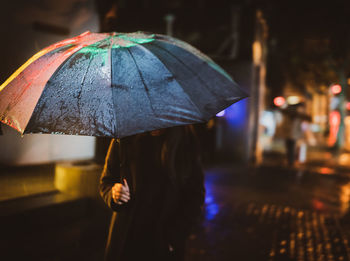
(121, 161)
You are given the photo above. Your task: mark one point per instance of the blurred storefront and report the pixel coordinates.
(327, 129)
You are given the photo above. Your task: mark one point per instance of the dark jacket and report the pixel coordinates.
(166, 200)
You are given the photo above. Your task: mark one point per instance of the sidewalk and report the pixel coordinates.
(318, 160)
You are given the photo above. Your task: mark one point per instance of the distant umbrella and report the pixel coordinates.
(115, 85)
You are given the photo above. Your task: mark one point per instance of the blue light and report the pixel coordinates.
(209, 199)
(236, 114)
(220, 114)
(211, 209)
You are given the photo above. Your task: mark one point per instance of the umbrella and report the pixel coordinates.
(115, 85)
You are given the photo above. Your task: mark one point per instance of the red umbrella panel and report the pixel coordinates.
(20, 93)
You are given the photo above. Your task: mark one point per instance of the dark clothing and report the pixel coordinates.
(291, 151)
(162, 209)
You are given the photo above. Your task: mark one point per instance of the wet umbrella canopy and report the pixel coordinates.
(115, 85)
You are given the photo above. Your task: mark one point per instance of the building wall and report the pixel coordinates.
(43, 148)
(239, 130)
(232, 129)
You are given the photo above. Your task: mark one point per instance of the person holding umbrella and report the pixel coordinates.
(143, 90)
(153, 182)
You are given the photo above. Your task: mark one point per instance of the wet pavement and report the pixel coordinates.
(273, 213)
(261, 213)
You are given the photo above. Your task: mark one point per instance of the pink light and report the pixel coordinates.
(336, 89)
(334, 122)
(335, 118)
(279, 101)
(348, 106)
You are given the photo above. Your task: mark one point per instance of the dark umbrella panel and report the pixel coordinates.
(115, 85)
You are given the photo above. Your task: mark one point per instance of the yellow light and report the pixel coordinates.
(257, 52)
(344, 159)
(293, 100)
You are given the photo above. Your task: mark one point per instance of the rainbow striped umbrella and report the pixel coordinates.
(115, 85)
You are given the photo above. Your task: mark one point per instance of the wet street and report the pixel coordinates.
(272, 213)
(261, 213)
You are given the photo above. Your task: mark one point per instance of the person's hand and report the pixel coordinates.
(121, 193)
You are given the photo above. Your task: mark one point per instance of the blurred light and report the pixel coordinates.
(336, 89)
(237, 115)
(335, 118)
(212, 208)
(320, 118)
(257, 52)
(279, 101)
(334, 121)
(326, 171)
(344, 159)
(317, 204)
(220, 114)
(334, 104)
(315, 127)
(348, 106)
(345, 196)
(293, 100)
(268, 121)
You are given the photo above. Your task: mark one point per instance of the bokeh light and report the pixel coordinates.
(279, 101)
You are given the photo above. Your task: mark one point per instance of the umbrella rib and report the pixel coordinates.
(114, 105)
(193, 71)
(139, 71)
(142, 79)
(143, 47)
(81, 86)
(183, 45)
(187, 67)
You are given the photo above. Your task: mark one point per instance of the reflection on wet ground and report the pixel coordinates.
(24, 181)
(272, 213)
(251, 214)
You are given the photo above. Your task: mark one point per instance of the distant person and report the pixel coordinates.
(292, 130)
(153, 182)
